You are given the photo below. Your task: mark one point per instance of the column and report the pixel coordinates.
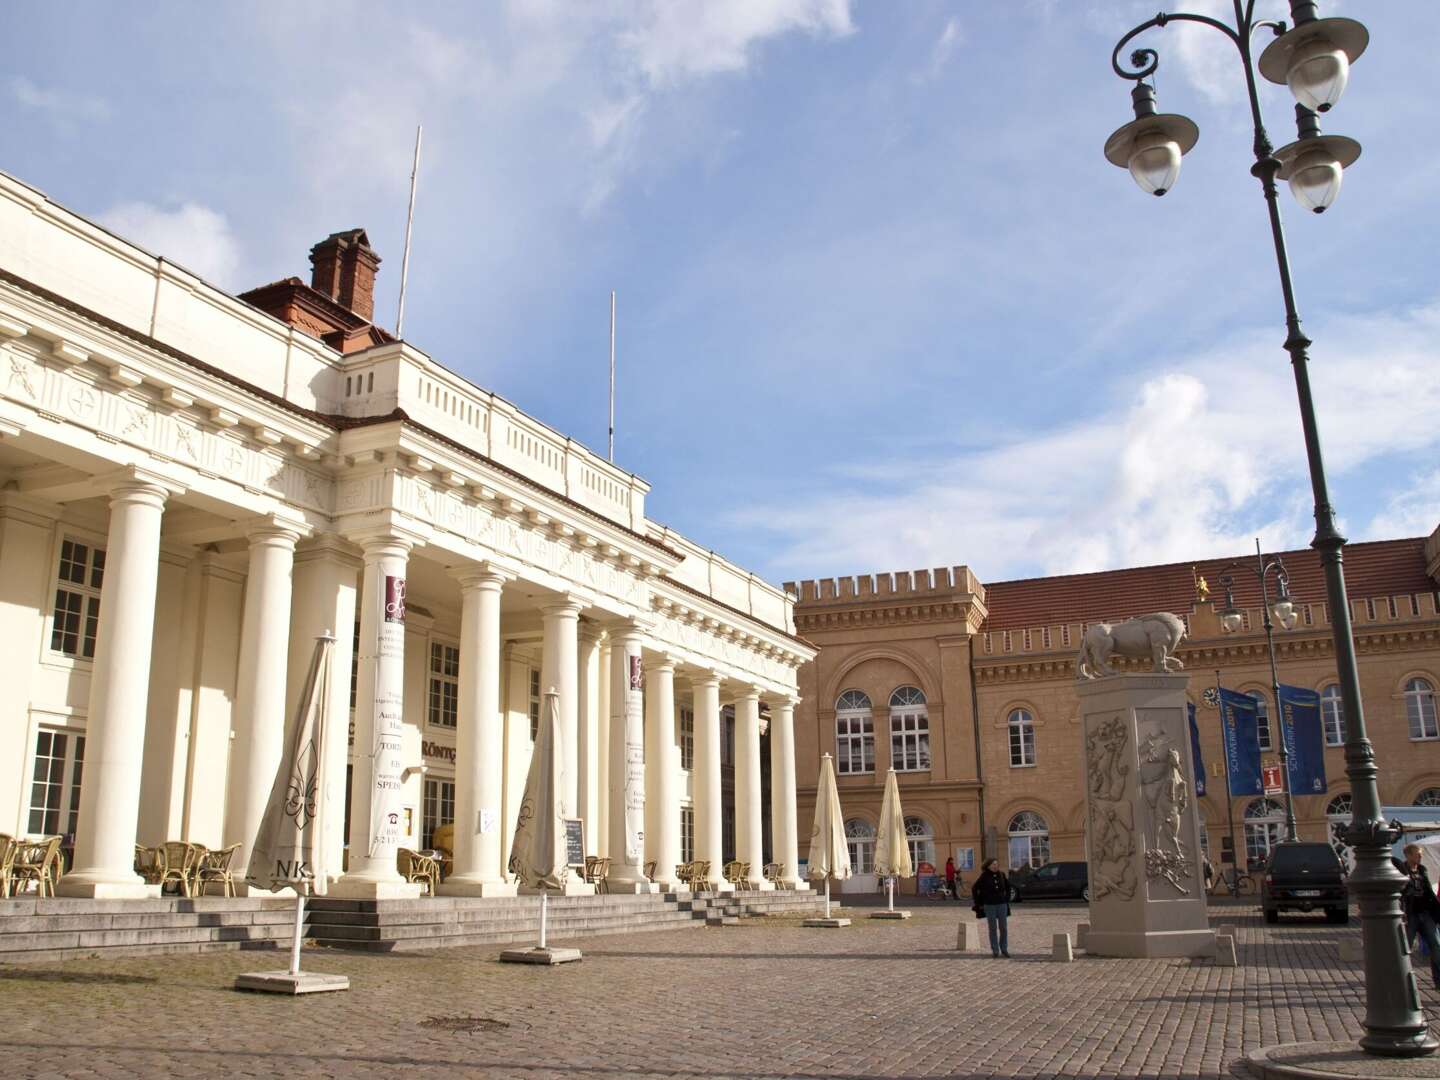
(749, 839)
(323, 594)
(709, 843)
(783, 831)
(590, 748)
(627, 763)
(375, 809)
(602, 754)
(119, 690)
(662, 765)
(479, 742)
(559, 671)
(258, 720)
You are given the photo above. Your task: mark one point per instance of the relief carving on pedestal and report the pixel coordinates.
(1112, 832)
(1167, 798)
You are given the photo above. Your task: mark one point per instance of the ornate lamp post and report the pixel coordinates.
(1281, 610)
(1314, 58)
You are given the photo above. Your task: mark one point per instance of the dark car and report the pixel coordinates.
(1302, 876)
(1053, 881)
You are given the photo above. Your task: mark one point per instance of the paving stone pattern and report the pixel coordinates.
(759, 999)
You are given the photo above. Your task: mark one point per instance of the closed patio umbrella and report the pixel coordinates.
(537, 854)
(892, 852)
(829, 855)
(288, 852)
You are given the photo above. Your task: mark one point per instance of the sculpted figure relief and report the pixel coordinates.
(1157, 636)
(1167, 797)
(1108, 770)
(1114, 846)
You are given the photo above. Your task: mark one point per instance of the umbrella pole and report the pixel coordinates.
(890, 892)
(299, 928)
(827, 897)
(544, 905)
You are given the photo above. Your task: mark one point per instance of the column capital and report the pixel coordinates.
(133, 483)
(661, 661)
(384, 542)
(590, 631)
(781, 701)
(328, 546)
(484, 576)
(704, 677)
(748, 694)
(565, 605)
(275, 531)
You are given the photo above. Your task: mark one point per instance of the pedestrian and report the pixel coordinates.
(950, 878)
(992, 901)
(1422, 908)
(1209, 871)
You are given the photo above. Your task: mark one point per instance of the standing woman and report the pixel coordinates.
(992, 899)
(950, 878)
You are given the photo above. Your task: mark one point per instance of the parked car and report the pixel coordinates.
(1053, 881)
(1301, 876)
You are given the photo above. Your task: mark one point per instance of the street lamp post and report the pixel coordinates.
(1282, 609)
(1313, 57)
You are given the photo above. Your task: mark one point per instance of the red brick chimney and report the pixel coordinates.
(344, 270)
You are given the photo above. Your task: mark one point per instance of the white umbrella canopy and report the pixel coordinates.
(892, 852)
(537, 855)
(829, 855)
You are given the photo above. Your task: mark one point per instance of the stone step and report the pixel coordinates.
(593, 924)
(85, 941)
(156, 920)
(500, 937)
(64, 905)
(51, 956)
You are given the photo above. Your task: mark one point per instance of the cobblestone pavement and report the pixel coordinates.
(764, 998)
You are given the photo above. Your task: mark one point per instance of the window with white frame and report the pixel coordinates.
(1332, 715)
(355, 668)
(1338, 813)
(920, 838)
(534, 703)
(727, 735)
(854, 733)
(909, 730)
(1262, 718)
(860, 839)
(687, 834)
(1264, 827)
(1420, 709)
(685, 736)
(76, 618)
(55, 782)
(1029, 840)
(1022, 739)
(1429, 797)
(444, 684)
(439, 808)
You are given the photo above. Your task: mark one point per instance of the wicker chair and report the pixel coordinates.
(649, 870)
(149, 863)
(214, 866)
(415, 867)
(8, 850)
(597, 870)
(773, 872)
(35, 860)
(180, 859)
(696, 875)
(737, 873)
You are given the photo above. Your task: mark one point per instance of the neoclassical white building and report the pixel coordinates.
(192, 489)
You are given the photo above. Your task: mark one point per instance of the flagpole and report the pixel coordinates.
(409, 221)
(1229, 799)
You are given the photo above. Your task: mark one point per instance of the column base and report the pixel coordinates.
(471, 887)
(762, 886)
(797, 885)
(358, 888)
(100, 886)
(244, 888)
(628, 888)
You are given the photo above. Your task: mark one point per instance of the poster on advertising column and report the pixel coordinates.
(387, 761)
(1304, 740)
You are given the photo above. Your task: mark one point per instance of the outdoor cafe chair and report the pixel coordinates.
(649, 870)
(8, 850)
(597, 869)
(696, 875)
(214, 866)
(738, 874)
(149, 863)
(415, 867)
(35, 860)
(180, 858)
(773, 872)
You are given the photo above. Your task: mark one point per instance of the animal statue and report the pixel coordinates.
(1157, 636)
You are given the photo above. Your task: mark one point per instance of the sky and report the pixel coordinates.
(882, 302)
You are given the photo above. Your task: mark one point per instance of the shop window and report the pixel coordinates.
(76, 618)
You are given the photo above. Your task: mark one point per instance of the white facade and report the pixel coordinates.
(192, 490)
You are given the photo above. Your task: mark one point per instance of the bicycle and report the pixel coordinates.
(1233, 882)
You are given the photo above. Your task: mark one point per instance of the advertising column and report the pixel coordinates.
(376, 817)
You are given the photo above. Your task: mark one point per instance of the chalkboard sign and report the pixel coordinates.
(575, 842)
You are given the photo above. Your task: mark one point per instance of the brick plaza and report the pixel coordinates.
(760, 999)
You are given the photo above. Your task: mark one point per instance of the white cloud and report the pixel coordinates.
(194, 236)
(1192, 462)
(941, 51)
(1414, 511)
(58, 103)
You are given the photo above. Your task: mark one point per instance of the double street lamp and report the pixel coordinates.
(1313, 56)
(1281, 610)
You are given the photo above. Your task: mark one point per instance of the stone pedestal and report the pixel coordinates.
(1147, 895)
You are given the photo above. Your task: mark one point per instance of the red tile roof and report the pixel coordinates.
(1379, 568)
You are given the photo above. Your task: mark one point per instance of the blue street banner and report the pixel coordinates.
(1195, 751)
(1304, 739)
(1240, 727)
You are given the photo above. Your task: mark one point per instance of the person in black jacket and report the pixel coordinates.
(1422, 908)
(992, 899)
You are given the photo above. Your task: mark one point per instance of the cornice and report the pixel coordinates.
(820, 619)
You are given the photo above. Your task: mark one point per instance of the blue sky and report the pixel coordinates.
(883, 303)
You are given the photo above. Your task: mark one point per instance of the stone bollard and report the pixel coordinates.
(1081, 932)
(1352, 950)
(962, 936)
(1225, 950)
(1060, 951)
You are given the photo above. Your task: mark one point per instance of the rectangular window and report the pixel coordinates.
(909, 742)
(55, 783)
(355, 665)
(687, 834)
(439, 809)
(727, 735)
(76, 618)
(1022, 745)
(686, 739)
(444, 684)
(855, 744)
(1262, 722)
(534, 704)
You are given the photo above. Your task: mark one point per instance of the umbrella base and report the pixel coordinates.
(282, 982)
(547, 957)
(889, 914)
(828, 924)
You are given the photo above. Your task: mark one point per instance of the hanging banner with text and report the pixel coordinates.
(1304, 739)
(1195, 750)
(1241, 731)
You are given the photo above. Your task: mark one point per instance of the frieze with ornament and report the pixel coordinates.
(719, 651)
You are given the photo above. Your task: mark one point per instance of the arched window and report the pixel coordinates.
(1420, 709)
(1262, 719)
(860, 839)
(1022, 738)
(1338, 812)
(1429, 797)
(909, 730)
(1029, 840)
(854, 733)
(1332, 715)
(921, 839)
(1264, 826)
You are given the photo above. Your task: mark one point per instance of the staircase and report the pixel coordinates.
(726, 909)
